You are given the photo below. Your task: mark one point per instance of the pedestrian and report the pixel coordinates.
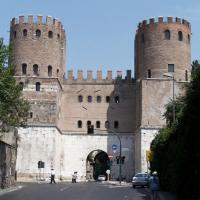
(52, 176)
(154, 185)
(74, 177)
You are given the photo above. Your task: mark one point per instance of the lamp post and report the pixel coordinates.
(170, 75)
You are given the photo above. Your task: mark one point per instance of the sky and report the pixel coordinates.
(100, 33)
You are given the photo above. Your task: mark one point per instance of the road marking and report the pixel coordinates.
(62, 189)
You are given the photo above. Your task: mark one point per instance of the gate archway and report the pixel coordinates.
(96, 164)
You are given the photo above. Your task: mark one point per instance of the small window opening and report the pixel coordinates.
(79, 124)
(117, 99)
(14, 34)
(37, 86)
(31, 114)
(149, 73)
(21, 85)
(180, 36)
(107, 124)
(58, 36)
(142, 38)
(186, 75)
(170, 67)
(24, 68)
(88, 123)
(116, 124)
(80, 98)
(167, 35)
(57, 71)
(89, 99)
(188, 38)
(35, 69)
(107, 99)
(24, 32)
(50, 34)
(49, 71)
(38, 33)
(98, 99)
(98, 124)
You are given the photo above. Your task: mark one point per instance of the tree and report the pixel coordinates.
(13, 107)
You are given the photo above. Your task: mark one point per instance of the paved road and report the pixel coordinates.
(78, 191)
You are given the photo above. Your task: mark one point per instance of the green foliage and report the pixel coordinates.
(13, 108)
(176, 149)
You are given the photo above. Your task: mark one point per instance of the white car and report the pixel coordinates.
(140, 179)
(101, 178)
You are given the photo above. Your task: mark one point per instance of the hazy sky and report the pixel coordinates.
(100, 33)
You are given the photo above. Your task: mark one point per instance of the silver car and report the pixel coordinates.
(140, 179)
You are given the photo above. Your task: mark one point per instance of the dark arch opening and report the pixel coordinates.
(97, 164)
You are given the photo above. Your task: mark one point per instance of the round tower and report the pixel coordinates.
(38, 47)
(162, 47)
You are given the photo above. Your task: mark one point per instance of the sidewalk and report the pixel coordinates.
(10, 189)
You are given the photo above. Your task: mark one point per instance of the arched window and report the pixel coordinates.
(24, 68)
(38, 33)
(80, 98)
(88, 123)
(37, 86)
(149, 73)
(180, 36)
(186, 75)
(31, 114)
(89, 99)
(116, 99)
(167, 35)
(21, 85)
(98, 99)
(107, 124)
(79, 124)
(58, 36)
(24, 32)
(49, 71)
(107, 99)
(35, 69)
(142, 38)
(98, 124)
(50, 34)
(116, 124)
(57, 71)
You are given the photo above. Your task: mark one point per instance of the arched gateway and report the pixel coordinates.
(96, 164)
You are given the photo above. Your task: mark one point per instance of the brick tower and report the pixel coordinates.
(163, 46)
(38, 53)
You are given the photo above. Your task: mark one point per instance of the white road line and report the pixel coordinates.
(62, 189)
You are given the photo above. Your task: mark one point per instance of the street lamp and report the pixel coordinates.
(171, 75)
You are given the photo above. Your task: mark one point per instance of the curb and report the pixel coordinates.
(10, 189)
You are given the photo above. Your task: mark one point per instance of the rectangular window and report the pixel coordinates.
(170, 67)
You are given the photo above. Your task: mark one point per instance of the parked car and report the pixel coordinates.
(140, 179)
(101, 178)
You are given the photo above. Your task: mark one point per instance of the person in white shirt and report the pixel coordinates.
(52, 176)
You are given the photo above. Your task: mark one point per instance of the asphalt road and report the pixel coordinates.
(77, 191)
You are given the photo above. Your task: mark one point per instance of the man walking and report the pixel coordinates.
(52, 176)
(154, 185)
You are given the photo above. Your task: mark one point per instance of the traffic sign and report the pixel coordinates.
(114, 147)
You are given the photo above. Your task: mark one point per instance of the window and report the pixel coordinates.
(14, 34)
(149, 73)
(37, 86)
(50, 34)
(186, 75)
(35, 69)
(21, 85)
(107, 124)
(57, 72)
(89, 99)
(79, 124)
(88, 123)
(180, 36)
(24, 68)
(80, 98)
(38, 33)
(98, 99)
(31, 114)
(98, 124)
(170, 67)
(58, 36)
(116, 124)
(142, 38)
(116, 99)
(49, 71)
(188, 38)
(107, 99)
(24, 32)
(167, 35)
